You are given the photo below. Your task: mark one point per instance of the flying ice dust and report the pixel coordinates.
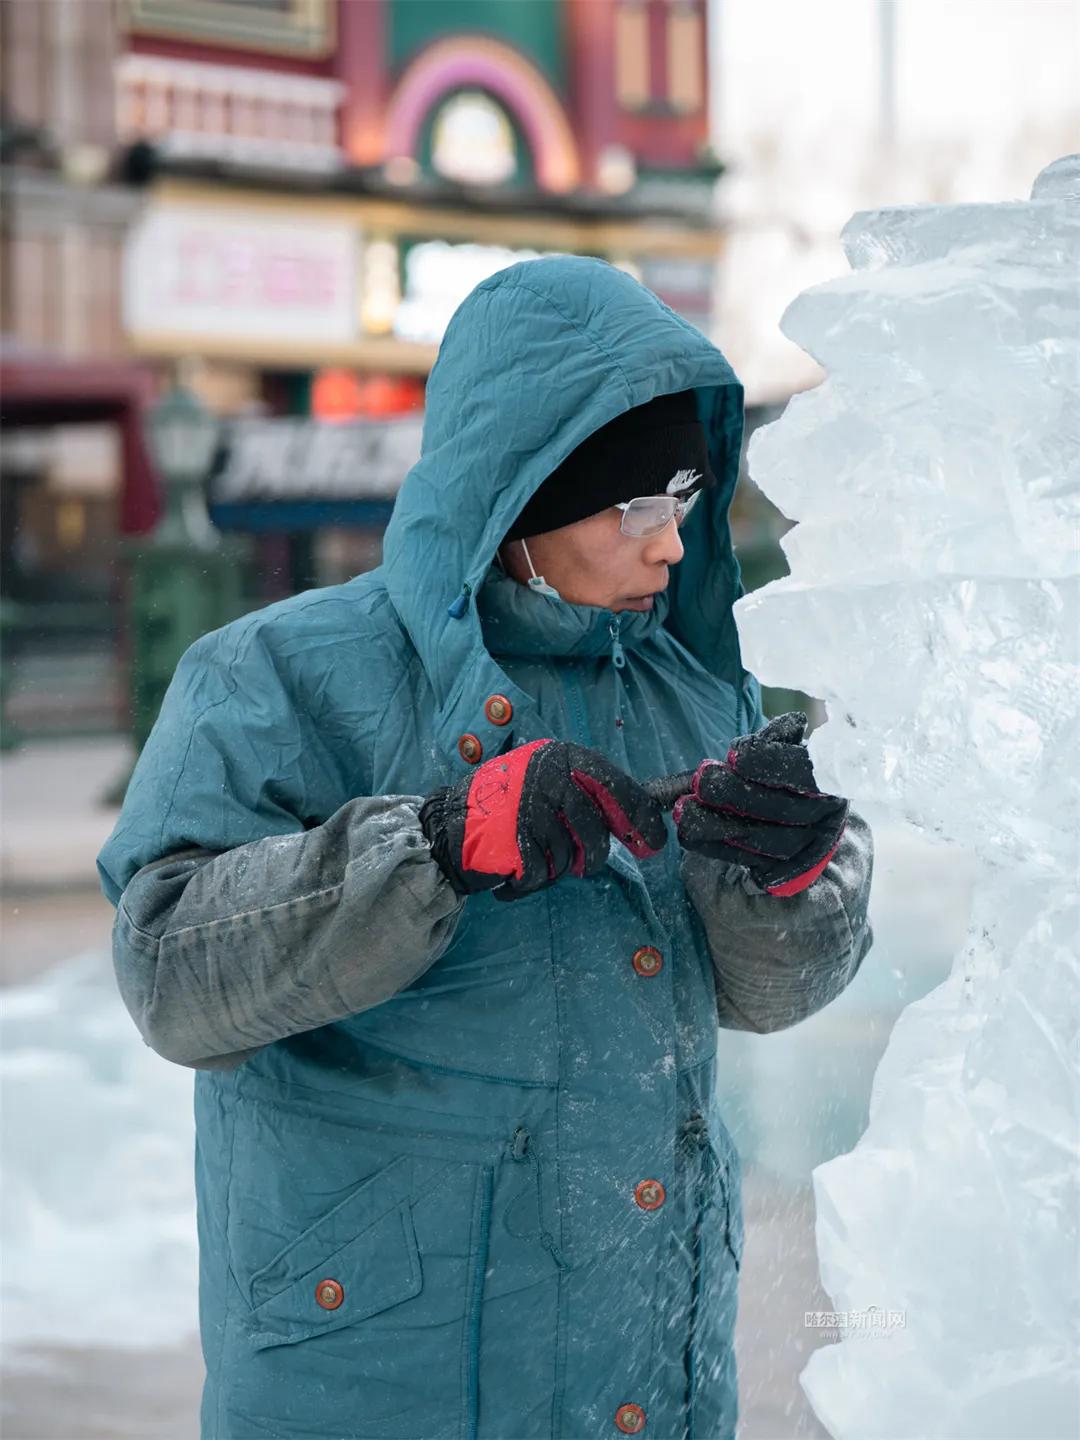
(933, 604)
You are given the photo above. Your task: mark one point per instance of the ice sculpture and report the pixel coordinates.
(933, 604)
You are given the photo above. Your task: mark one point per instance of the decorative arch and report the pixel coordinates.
(499, 69)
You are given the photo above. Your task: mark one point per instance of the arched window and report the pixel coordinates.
(473, 141)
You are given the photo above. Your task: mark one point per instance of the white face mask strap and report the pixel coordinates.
(538, 583)
(528, 561)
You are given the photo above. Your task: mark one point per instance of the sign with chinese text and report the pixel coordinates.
(292, 474)
(211, 272)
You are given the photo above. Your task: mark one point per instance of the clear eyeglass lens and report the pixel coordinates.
(649, 514)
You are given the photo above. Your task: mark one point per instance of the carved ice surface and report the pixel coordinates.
(934, 604)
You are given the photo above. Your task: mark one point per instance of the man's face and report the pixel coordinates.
(593, 563)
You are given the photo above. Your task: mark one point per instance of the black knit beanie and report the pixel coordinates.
(657, 448)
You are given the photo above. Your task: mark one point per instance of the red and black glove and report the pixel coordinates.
(542, 810)
(761, 808)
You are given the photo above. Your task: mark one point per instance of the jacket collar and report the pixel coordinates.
(517, 621)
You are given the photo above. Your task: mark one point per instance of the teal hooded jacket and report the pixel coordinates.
(460, 1168)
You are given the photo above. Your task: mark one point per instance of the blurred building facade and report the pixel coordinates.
(333, 178)
(73, 469)
(283, 201)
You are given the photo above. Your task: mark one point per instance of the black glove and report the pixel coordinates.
(761, 808)
(542, 810)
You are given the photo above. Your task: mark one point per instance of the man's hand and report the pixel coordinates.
(761, 808)
(541, 811)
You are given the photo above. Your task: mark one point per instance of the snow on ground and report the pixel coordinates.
(97, 1149)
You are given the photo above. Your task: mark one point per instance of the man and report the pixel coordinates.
(388, 878)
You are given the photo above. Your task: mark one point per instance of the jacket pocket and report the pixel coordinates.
(731, 1202)
(722, 1179)
(728, 1194)
(358, 1259)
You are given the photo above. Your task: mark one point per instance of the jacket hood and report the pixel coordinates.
(534, 360)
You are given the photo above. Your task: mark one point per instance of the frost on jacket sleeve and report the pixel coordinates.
(778, 961)
(244, 915)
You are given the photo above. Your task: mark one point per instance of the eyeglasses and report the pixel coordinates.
(649, 514)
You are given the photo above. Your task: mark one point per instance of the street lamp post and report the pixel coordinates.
(186, 579)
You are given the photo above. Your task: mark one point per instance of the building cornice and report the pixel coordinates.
(45, 200)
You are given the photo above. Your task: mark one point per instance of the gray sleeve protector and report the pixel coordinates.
(779, 960)
(220, 954)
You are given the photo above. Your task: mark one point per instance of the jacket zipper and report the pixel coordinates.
(696, 1133)
(618, 654)
(618, 659)
(577, 712)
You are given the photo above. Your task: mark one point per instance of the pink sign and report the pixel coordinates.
(219, 273)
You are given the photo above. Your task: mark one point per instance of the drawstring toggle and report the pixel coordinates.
(458, 606)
